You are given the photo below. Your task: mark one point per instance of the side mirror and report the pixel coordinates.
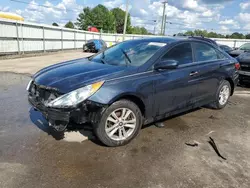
(167, 64)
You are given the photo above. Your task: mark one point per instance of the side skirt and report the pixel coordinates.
(176, 112)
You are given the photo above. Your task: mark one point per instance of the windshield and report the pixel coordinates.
(245, 46)
(134, 53)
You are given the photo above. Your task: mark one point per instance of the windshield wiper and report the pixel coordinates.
(126, 55)
(102, 59)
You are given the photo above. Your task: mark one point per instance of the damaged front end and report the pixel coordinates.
(41, 98)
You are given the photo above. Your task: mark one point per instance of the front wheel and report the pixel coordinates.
(85, 49)
(222, 95)
(119, 123)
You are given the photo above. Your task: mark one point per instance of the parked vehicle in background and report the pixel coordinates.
(134, 83)
(244, 60)
(93, 29)
(94, 46)
(226, 48)
(244, 48)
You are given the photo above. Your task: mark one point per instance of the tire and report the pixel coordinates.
(217, 104)
(85, 49)
(101, 127)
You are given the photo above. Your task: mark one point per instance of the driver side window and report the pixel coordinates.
(181, 53)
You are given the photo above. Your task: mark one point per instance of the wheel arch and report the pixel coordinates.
(230, 80)
(134, 98)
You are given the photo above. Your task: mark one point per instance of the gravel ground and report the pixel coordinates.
(33, 156)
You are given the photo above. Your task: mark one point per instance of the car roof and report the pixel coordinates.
(176, 39)
(159, 39)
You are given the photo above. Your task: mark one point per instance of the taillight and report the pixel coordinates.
(237, 66)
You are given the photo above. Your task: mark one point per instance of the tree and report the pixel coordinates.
(199, 32)
(212, 35)
(248, 36)
(85, 19)
(237, 35)
(119, 16)
(99, 17)
(189, 33)
(69, 25)
(139, 31)
(55, 24)
(204, 33)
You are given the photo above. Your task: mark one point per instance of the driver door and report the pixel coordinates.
(173, 89)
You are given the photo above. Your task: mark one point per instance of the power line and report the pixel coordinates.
(176, 23)
(44, 6)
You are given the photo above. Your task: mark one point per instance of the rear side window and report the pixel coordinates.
(220, 55)
(181, 53)
(204, 52)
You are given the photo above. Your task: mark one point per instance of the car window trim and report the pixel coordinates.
(183, 42)
(170, 47)
(216, 50)
(200, 63)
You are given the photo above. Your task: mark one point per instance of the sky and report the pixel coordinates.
(221, 16)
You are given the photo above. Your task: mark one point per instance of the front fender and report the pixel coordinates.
(139, 86)
(109, 95)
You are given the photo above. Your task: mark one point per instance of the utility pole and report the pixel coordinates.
(155, 21)
(164, 26)
(126, 20)
(163, 16)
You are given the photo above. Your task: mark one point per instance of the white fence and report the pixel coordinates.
(22, 37)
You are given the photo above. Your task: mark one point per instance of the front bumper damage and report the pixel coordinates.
(59, 119)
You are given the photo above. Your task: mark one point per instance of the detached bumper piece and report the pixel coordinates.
(49, 113)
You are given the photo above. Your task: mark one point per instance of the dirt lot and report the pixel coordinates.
(33, 156)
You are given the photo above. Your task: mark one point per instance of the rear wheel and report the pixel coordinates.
(119, 123)
(222, 95)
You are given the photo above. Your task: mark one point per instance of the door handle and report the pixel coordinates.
(193, 73)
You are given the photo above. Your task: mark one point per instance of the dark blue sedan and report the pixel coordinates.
(134, 83)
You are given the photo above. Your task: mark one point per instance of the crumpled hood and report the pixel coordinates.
(71, 75)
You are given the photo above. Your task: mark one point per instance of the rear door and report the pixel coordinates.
(174, 88)
(208, 63)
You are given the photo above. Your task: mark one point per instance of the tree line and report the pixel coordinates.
(105, 20)
(112, 21)
(205, 33)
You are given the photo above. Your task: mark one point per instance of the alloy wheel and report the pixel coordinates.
(120, 124)
(224, 95)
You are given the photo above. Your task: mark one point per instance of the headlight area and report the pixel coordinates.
(73, 106)
(75, 97)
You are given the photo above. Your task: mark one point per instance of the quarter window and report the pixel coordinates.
(204, 52)
(221, 55)
(181, 53)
